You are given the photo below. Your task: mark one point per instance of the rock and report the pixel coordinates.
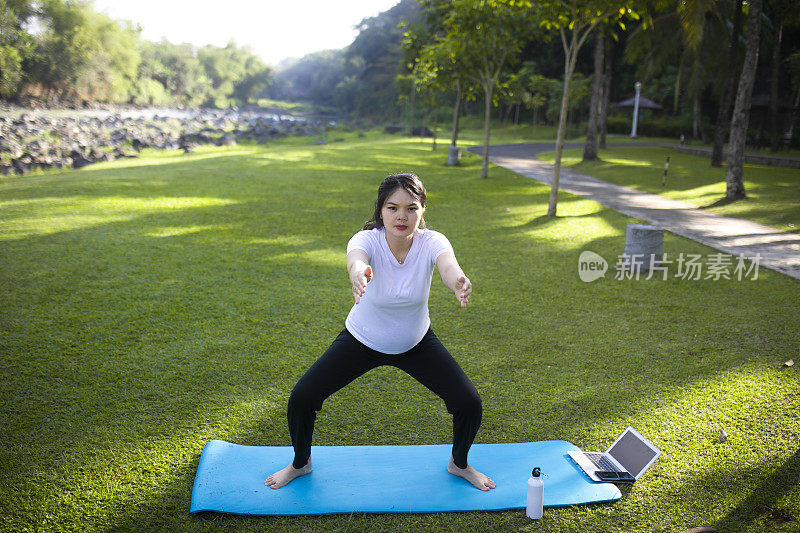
(48, 140)
(119, 153)
(227, 140)
(80, 162)
(22, 164)
(393, 129)
(320, 142)
(421, 131)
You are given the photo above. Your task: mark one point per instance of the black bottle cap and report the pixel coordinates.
(536, 472)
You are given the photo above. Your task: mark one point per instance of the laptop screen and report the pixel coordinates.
(633, 454)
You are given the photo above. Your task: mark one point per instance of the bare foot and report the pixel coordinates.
(479, 480)
(283, 477)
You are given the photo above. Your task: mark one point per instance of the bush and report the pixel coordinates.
(147, 91)
(651, 127)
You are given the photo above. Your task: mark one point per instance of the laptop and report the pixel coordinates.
(624, 462)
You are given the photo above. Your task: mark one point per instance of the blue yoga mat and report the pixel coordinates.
(387, 479)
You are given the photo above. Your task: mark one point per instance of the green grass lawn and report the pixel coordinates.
(773, 193)
(151, 305)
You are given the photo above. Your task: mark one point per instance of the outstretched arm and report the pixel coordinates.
(360, 272)
(453, 277)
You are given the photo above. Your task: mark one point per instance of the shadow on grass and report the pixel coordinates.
(761, 505)
(543, 221)
(722, 202)
(125, 340)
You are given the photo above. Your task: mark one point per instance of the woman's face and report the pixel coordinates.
(401, 213)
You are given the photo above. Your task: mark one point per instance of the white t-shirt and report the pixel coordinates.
(392, 315)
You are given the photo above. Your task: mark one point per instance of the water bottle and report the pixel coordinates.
(534, 508)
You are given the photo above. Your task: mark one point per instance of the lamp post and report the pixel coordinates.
(638, 87)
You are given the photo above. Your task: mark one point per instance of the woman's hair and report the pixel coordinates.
(407, 181)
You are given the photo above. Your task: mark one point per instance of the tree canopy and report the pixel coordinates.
(80, 54)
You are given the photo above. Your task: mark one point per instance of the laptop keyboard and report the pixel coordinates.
(601, 462)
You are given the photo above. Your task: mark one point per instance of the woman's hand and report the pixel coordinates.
(453, 277)
(463, 289)
(359, 277)
(360, 272)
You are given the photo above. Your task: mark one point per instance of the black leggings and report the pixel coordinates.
(346, 359)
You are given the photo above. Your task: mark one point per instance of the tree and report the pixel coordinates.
(374, 56)
(595, 107)
(235, 73)
(606, 100)
(176, 68)
(16, 45)
(701, 27)
(64, 47)
(321, 77)
(113, 60)
(257, 77)
(734, 174)
(359, 79)
(726, 98)
(781, 15)
(482, 37)
(574, 20)
(686, 34)
(793, 64)
(434, 68)
(514, 95)
(225, 67)
(537, 88)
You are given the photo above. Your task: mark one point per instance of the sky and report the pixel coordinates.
(273, 29)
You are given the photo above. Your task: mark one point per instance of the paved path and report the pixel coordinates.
(779, 250)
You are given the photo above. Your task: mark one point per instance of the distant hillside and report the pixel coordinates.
(357, 79)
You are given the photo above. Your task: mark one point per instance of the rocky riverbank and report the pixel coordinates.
(32, 140)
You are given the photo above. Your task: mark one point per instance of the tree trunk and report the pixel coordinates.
(697, 118)
(487, 91)
(734, 175)
(508, 110)
(411, 109)
(456, 115)
(569, 67)
(606, 98)
(435, 122)
(727, 91)
(775, 135)
(590, 147)
(792, 117)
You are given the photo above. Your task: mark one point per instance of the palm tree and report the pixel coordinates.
(700, 26)
(734, 175)
(726, 98)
